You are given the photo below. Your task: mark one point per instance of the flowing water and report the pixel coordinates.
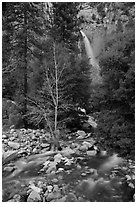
(95, 71)
(99, 179)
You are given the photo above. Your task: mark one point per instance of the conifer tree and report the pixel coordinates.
(22, 28)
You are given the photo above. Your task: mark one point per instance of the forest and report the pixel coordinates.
(68, 101)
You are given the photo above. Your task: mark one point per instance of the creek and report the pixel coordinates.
(85, 176)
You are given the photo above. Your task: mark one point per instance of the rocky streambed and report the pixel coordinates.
(34, 173)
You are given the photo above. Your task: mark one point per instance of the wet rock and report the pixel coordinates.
(34, 197)
(14, 145)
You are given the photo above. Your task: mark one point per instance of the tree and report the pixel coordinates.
(116, 120)
(22, 24)
(65, 23)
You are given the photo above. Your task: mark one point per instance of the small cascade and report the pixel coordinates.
(95, 71)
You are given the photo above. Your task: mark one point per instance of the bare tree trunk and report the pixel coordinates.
(56, 132)
(56, 82)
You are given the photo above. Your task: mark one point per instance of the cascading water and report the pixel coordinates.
(95, 71)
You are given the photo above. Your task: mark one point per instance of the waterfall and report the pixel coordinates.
(95, 71)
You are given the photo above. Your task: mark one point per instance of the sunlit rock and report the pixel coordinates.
(91, 153)
(14, 145)
(34, 197)
(81, 133)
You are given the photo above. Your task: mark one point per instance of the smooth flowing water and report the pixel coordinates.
(93, 181)
(95, 71)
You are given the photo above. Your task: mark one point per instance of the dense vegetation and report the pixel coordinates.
(46, 75)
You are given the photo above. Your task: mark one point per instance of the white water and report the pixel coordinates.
(95, 71)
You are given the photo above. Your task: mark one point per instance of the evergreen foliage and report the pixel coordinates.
(115, 100)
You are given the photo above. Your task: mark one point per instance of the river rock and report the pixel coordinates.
(92, 122)
(54, 180)
(47, 135)
(81, 133)
(91, 153)
(67, 152)
(49, 188)
(63, 199)
(44, 145)
(34, 197)
(56, 188)
(12, 138)
(83, 148)
(4, 137)
(35, 188)
(11, 131)
(88, 144)
(71, 198)
(14, 145)
(16, 198)
(8, 168)
(53, 195)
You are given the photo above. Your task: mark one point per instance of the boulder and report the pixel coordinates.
(4, 137)
(53, 195)
(9, 168)
(81, 133)
(45, 145)
(83, 148)
(88, 144)
(67, 152)
(16, 198)
(92, 122)
(71, 198)
(14, 145)
(91, 153)
(34, 197)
